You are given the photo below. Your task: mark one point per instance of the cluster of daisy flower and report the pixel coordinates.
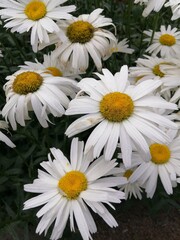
(131, 116)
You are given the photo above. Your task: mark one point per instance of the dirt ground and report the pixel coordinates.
(135, 223)
(139, 224)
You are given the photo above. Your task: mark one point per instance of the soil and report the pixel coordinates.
(139, 224)
(135, 223)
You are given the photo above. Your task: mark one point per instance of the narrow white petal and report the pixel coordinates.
(165, 179)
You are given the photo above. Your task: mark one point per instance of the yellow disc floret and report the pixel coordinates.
(35, 10)
(54, 71)
(80, 32)
(167, 39)
(128, 173)
(27, 82)
(72, 184)
(156, 70)
(116, 106)
(160, 153)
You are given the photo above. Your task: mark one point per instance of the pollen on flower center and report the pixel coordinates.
(128, 173)
(116, 106)
(73, 183)
(80, 32)
(54, 71)
(35, 10)
(27, 82)
(167, 39)
(160, 153)
(156, 70)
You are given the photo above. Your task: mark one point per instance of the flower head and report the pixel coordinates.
(122, 112)
(166, 42)
(38, 15)
(53, 66)
(68, 188)
(121, 47)
(164, 162)
(36, 91)
(149, 67)
(85, 36)
(151, 5)
(130, 189)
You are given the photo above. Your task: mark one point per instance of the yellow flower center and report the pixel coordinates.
(80, 32)
(160, 153)
(54, 71)
(114, 49)
(167, 39)
(128, 173)
(116, 106)
(156, 70)
(72, 184)
(35, 10)
(27, 82)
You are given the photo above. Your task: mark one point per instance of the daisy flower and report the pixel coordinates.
(175, 6)
(37, 15)
(52, 65)
(121, 47)
(122, 113)
(3, 137)
(166, 42)
(35, 91)
(155, 68)
(130, 189)
(147, 68)
(1, 54)
(69, 188)
(164, 163)
(85, 36)
(151, 5)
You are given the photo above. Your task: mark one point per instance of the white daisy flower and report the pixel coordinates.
(151, 5)
(164, 162)
(38, 15)
(3, 137)
(52, 65)
(69, 189)
(166, 42)
(35, 91)
(130, 189)
(85, 36)
(147, 68)
(122, 111)
(1, 54)
(175, 6)
(155, 68)
(121, 47)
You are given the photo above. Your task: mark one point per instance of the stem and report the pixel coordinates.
(23, 56)
(4, 59)
(155, 22)
(128, 24)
